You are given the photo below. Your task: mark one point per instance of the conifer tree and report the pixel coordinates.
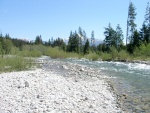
(131, 26)
(92, 38)
(87, 47)
(80, 39)
(119, 37)
(38, 40)
(73, 43)
(146, 25)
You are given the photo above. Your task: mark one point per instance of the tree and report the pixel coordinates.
(136, 39)
(119, 37)
(49, 42)
(147, 15)
(7, 36)
(146, 25)
(73, 43)
(84, 35)
(1, 48)
(109, 37)
(113, 37)
(60, 43)
(38, 40)
(130, 23)
(80, 31)
(92, 38)
(144, 34)
(7, 46)
(80, 38)
(87, 47)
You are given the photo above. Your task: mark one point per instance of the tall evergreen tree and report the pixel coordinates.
(136, 39)
(131, 26)
(87, 47)
(38, 40)
(113, 37)
(80, 38)
(92, 38)
(73, 43)
(147, 15)
(109, 37)
(146, 26)
(119, 37)
(84, 35)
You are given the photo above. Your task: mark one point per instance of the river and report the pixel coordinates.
(131, 82)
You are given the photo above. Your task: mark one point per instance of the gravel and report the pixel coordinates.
(77, 89)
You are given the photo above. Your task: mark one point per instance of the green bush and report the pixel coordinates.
(123, 55)
(10, 63)
(142, 53)
(92, 56)
(57, 53)
(114, 53)
(106, 56)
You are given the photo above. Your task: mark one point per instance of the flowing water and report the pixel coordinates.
(132, 83)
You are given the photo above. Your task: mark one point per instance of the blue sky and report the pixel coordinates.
(56, 18)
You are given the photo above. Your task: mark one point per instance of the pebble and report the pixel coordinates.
(47, 91)
(26, 84)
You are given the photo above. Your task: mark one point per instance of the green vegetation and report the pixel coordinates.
(79, 45)
(10, 63)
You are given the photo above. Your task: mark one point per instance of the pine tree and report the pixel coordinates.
(146, 26)
(113, 37)
(147, 15)
(73, 43)
(119, 37)
(87, 47)
(84, 35)
(92, 38)
(109, 37)
(38, 40)
(80, 39)
(136, 39)
(131, 26)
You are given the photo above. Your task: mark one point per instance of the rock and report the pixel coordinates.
(38, 96)
(76, 80)
(64, 67)
(26, 84)
(44, 91)
(91, 106)
(125, 96)
(82, 69)
(85, 99)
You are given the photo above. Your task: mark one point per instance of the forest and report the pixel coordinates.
(137, 46)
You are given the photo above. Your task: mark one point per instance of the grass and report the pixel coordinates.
(12, 63)
(57, 53)
(92, 56)
(32, 53)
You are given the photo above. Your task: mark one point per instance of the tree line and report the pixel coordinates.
(137, 42)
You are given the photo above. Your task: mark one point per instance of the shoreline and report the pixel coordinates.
(57, 87)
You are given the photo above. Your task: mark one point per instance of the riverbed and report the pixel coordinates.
(58, 87)
(130, 82)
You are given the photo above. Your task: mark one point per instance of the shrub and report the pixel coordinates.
(57, 53)
(9, 63)
(123, 55)
(114, 53)
(92, 56)
(106, 56)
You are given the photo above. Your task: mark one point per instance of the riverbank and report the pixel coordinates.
(57, 87)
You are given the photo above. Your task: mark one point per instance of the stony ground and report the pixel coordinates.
(57, 88)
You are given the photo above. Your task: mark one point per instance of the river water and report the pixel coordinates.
(131, 82)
